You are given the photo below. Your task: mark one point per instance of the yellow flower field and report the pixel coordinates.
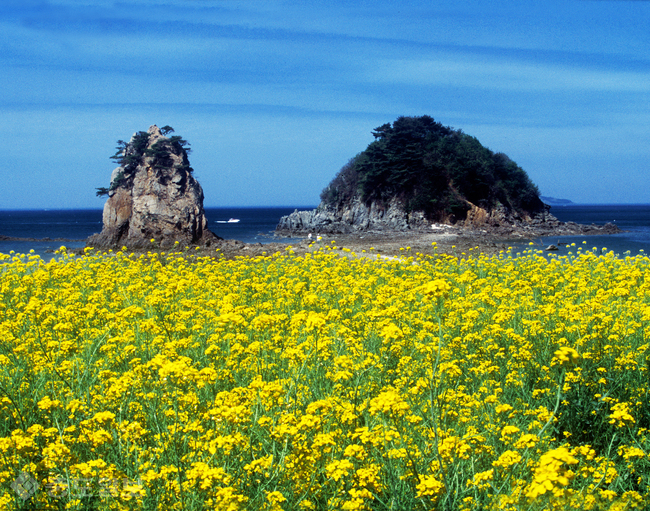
(180, 381)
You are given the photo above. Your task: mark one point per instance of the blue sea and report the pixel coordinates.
(256, 225)
(70, 228)
(633, 219)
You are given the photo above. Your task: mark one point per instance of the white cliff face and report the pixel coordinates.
(153, 197)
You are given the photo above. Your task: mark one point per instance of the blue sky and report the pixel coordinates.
(276, 96)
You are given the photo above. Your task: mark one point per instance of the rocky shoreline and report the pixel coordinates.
(484, 232)
(14, 238)
(448, 239)
(453, 240)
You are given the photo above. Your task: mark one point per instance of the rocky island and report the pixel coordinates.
(418, 182)
(418, 186)
(419, 176)
(153, 196)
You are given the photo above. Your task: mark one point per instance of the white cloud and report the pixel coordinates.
(586, 142)
(469, 71)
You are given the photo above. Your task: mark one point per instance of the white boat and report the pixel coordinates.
(233, 220)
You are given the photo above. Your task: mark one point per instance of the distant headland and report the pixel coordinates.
(552, 201)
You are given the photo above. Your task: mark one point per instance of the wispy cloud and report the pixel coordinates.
(468, 71)
(545, 81)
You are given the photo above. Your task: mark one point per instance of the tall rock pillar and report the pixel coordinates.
(153, 195)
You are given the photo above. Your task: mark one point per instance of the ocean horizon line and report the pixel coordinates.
(22, 210)
(303, 206)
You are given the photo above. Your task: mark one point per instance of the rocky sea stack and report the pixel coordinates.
(152, 196)
(416, 173)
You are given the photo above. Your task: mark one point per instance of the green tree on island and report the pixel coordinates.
(130, 155)
(432, 168)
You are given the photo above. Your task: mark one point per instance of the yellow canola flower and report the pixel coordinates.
(503, 408)
(631, 452)
(259, 465)
(429, 486)
(435, 288)
(481, 478)
(48, 404)
(338, 469)
(620, 415)
(567, 356)
(389, 401)
(355, 451)
(526, 440)
(275, 498)
(509, 430)
(169, 380)
(551, 474)
(507, 459)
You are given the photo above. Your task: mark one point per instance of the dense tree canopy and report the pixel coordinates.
(130, 155)
(432, 168)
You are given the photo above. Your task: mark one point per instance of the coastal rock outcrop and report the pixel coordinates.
(375, 217)
(153, 196)
(499, 222)
(355, 217)
(416, 173)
